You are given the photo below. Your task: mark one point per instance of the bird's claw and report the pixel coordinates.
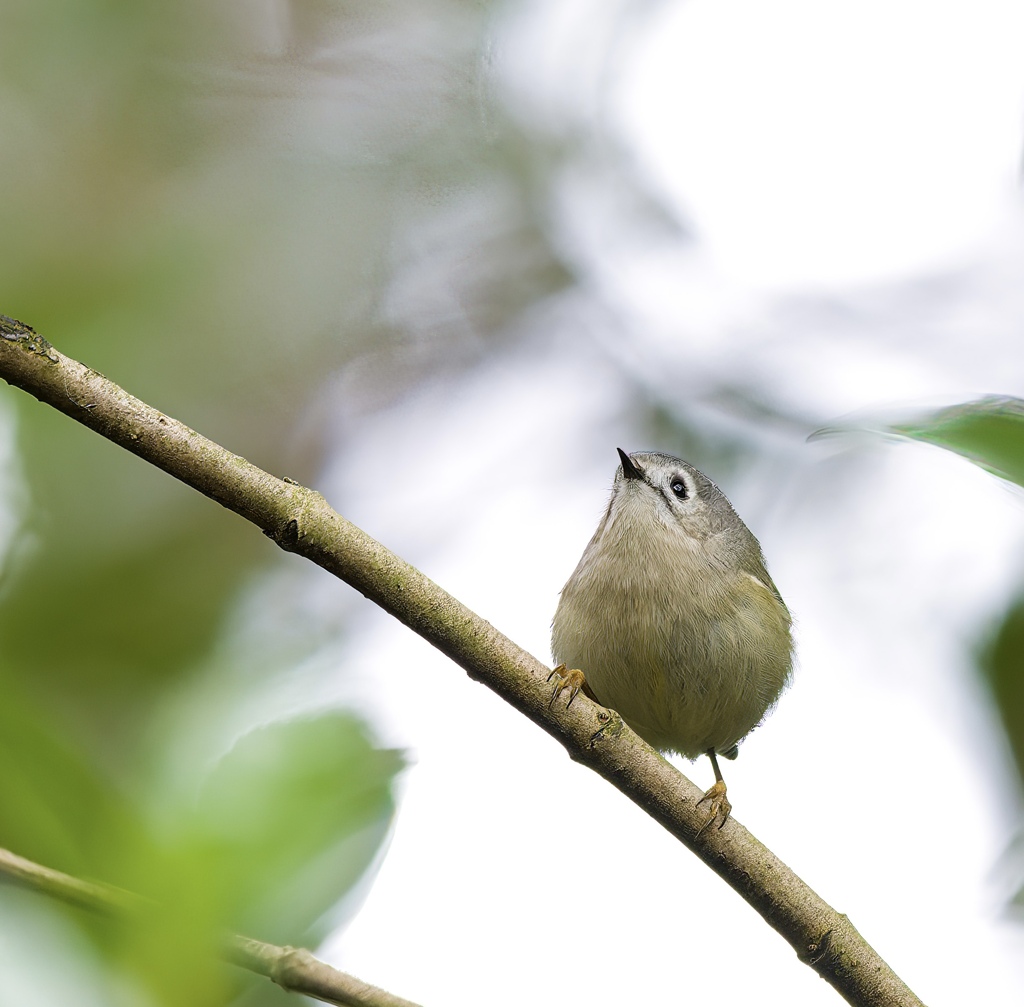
(719, 804)
(572, 680)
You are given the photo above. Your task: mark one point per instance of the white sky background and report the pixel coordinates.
(851, 173)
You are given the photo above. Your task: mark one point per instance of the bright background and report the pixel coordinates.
(440, 260)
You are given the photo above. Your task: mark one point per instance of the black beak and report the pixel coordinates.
(629, 470)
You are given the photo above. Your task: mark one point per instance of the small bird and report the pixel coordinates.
(671, 618)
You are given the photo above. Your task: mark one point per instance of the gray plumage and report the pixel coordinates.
(671, 614)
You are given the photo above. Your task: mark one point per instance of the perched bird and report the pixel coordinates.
(671, 618)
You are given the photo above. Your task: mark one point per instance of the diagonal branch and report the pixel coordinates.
(293, 969)
(299, 520)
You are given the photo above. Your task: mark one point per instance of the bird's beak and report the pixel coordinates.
(629, 469)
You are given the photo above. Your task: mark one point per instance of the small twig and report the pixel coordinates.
(299, 520)
(105, 899)
(296, 970)
(293, 969)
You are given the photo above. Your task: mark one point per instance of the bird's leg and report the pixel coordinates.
(572, 680)
(715, 796)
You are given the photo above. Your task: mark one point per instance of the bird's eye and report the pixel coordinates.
(679, 488)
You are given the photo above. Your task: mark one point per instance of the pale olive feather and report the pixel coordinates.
(671, 614)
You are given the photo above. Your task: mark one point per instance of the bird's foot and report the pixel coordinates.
(718, 803)
(572, 680)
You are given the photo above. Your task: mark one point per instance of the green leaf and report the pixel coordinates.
(1001, 661)
(989, 432)
(290, 820)
(56, 806)
(284, 826)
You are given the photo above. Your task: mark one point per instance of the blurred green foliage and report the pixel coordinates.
(224, 207)
(290, 819)
(990, 432)
(1002, 661)
(56, 805)
(283, 827)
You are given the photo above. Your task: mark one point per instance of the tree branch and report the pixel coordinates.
(293, 969)
(299, 520)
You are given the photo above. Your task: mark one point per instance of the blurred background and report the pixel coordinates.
(439, 259)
